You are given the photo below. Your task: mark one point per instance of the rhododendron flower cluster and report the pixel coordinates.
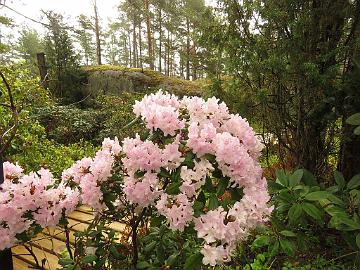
(220, 140)
(31, 200)
(194, 147)
(89, 173)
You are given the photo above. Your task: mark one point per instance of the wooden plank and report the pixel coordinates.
(20, 264)
(44, 247)
(51, 260)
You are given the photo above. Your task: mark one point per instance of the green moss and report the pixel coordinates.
(157, 80)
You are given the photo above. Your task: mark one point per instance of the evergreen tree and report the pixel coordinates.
(65, 74)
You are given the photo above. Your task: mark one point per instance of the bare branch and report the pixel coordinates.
(15, 117)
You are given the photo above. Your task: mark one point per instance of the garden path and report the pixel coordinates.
(48, 245)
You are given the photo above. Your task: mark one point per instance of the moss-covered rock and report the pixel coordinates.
(107, 79)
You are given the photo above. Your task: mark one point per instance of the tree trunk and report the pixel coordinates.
(42, 69)
(168, 54)
(140, 47)
(160, 40)
(149, 36)
(134, 44)
(187, 49)
(97, 34)
(130, 50)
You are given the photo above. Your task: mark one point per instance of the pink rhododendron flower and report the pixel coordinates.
(177, 209)
(142, 191)
(214, 255)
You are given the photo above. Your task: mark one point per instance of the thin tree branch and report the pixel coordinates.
(15, 117)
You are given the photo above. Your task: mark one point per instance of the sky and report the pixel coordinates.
(69, 8)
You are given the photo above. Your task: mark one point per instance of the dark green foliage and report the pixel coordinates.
(31, 148)
(66, 77)
(109, 117)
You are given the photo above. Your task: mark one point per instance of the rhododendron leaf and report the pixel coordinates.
(339, 179)
(210, 157)
(193, 262)
(114, 251)
(274, 187)
(65, 262)
(157, 220)
(308, 178)
(149, 247)
(357, 130)
(208, 186)
(63, 221)
(282, 177)
(354, 182)
(312, 210)
(164, 173)
(142, 265)
(213, 202)
(261, 241)
(173, 188)
(354, 119)
(335, 200)
(189, 160)
(286, 196)
(88, 259)
(295, 212)
(295, 178)
(172, 258)
(358, 240)
(317, 195)
(139, 174)
(23, 237)
(222, 185)
(288, 233)
(144, 135)
(198, 208)
(287, 247)
(274, 249)
(201, 197)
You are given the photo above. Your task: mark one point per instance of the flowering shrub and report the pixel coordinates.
(197, 166)
(31, 202)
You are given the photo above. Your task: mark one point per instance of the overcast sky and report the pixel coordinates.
(69, 8)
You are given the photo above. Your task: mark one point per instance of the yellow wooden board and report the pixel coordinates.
(51, 242)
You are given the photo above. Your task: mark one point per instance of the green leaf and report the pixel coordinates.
(354, 182)
(261, 241)
(309, 179)
(149, 247)
(294, 213)
(288, 233)
(273, 249)
(223, 184)
(172, 258)
(273, 186)
(357, 130)
(339, 179)
(312, 210)
(317, 195)
(287, 247)
(213, 202)
(282, 177)
(173, 188)
(193, 262)
(65, 262)
(88, 259)
(295, 178)
(142, 265)
(116, 254)
(354, 119)
(358, 240)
